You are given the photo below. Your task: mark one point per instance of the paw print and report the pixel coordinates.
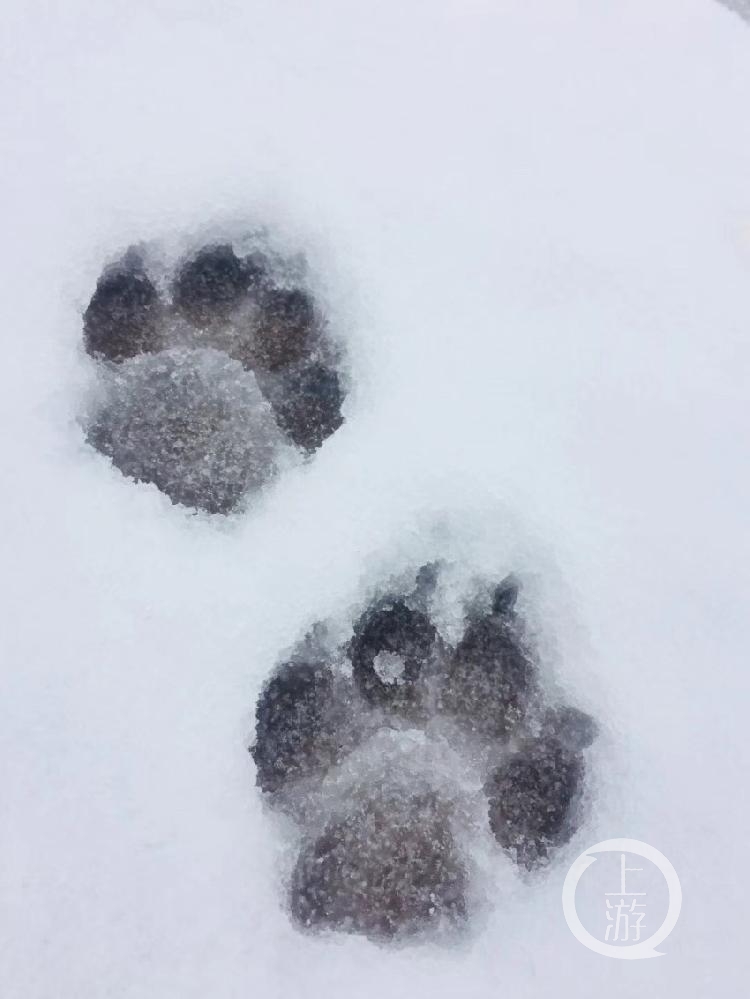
(213, 372)
(380, 744)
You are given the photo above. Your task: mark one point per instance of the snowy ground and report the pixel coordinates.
(534, 219)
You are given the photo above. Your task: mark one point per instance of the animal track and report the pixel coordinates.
(212, 371)
(397, 749)
(359, 742)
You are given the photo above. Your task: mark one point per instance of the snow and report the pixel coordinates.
(741, 7)
(534, 220)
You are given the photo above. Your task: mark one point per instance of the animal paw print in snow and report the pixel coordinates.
(379, 746)
(212, 371)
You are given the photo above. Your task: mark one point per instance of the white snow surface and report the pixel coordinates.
(533, 221)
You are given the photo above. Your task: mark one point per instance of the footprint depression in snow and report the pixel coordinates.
(213, 371)
(396, 750)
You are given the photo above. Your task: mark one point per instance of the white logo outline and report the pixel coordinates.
(644, 948)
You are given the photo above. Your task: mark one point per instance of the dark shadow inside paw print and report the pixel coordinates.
(210, 284)
(490, 676)
(307, 401)
(533, 800)
(392, 645)
(301, 729)
(210, 440)
(388, 868)
(285, 329)
(570, 726)
(381, 855)
(123, 317)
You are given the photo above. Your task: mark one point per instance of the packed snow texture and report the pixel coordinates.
(193, 422)
(533, 222)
